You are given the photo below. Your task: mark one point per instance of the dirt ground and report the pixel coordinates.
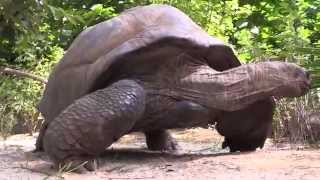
(199, 157)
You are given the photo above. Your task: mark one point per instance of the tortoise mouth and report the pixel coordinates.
(306, 84)
(293, 89)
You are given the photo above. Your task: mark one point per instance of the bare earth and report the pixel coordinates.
(199, 157)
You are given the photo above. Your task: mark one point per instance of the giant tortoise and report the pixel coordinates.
(151, 69)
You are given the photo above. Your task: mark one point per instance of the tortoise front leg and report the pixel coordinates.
(246, 129)
(92, 123)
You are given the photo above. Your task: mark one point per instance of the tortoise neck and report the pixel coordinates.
(229, 90)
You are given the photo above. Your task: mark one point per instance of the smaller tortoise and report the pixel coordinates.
(151, 69)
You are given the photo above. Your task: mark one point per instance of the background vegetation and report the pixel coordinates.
(35, 33)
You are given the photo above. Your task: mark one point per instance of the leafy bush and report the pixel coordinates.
(19, 97)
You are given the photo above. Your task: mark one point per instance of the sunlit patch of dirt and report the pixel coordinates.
(199, 157)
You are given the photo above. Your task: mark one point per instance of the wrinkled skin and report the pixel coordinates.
(172, 82)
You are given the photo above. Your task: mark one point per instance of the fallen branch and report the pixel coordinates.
(19, 73)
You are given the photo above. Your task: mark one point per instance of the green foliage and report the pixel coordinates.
(19, 97)
(16, 22)
(260, 29)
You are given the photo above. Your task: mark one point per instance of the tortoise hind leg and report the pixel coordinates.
(183, 114)
(92, 123)
(39, 141)
(160, 140)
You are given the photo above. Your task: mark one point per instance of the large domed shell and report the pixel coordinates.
(97, 48)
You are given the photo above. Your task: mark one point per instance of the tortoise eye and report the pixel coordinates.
(297, 74)
(308, 74)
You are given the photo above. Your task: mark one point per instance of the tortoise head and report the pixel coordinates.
(292, 80)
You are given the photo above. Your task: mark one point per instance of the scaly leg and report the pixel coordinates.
(92, 123)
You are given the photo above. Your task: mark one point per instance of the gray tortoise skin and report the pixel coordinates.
(151, 69)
